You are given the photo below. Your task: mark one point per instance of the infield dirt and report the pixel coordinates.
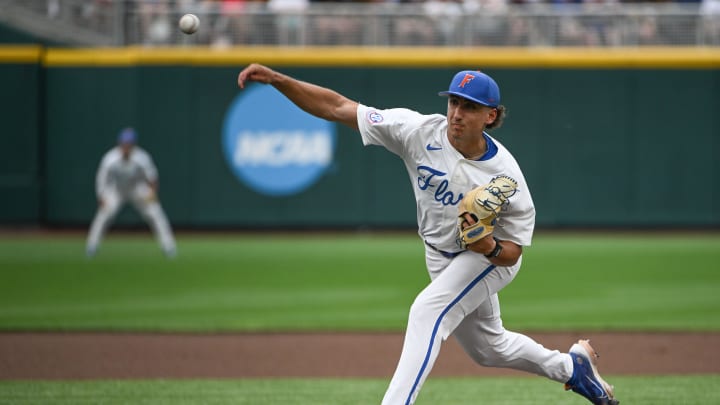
(101, 355)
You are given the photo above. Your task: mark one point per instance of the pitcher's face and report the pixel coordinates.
(467, 119)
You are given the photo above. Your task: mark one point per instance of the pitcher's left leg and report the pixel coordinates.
(489, 344)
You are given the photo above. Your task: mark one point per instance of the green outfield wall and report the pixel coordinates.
(21, 109)
(622, 138)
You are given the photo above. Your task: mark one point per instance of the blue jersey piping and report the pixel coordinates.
(491, 151)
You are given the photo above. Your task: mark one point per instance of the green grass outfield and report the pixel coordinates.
(347, 282)
(665, 390)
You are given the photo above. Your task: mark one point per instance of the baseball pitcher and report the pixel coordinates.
(475, 215)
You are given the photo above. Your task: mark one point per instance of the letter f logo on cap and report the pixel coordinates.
(483, 90)
(468, 77)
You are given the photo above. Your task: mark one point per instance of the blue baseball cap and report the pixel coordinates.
(127, 135)
(474, 86)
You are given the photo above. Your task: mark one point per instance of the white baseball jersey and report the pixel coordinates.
(116, 173)
(120, 180)
(440, 175)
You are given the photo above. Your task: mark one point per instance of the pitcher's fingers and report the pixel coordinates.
(469, 218)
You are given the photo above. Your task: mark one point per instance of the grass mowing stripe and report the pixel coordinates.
(347, 282)
(643, 390)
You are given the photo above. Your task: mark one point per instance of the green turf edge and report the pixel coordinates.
(634, 390)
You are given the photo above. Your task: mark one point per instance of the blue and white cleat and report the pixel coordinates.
(586, 380)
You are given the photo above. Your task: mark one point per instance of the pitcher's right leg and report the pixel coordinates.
(436, 312)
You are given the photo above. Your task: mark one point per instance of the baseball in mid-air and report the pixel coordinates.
(189, 23)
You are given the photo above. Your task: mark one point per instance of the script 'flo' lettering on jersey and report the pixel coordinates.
(468, 77)
(427, 180)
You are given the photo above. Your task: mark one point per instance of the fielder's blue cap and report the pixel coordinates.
(474, 86)
(127, 135)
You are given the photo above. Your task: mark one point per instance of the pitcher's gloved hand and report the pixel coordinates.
(483, 204)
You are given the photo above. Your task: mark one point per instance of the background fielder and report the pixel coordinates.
(127, 174)
(446, 157)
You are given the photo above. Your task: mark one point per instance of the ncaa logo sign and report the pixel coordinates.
(274, 147)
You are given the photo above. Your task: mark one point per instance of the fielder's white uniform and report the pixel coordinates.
(462, 298)
(121, 180)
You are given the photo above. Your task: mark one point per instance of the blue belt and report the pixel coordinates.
(449, 255)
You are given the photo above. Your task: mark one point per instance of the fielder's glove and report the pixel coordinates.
(483, 204)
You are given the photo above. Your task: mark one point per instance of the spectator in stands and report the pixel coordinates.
(414, 26)
(342, 28)
(647, 31)
(710, 22)
(490, 23)
(289, 20)
(446, 15)
(155, 22)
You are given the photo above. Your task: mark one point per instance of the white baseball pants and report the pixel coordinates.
(145, 202)
(462, 300)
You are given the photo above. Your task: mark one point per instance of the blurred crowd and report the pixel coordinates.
(415, 22)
